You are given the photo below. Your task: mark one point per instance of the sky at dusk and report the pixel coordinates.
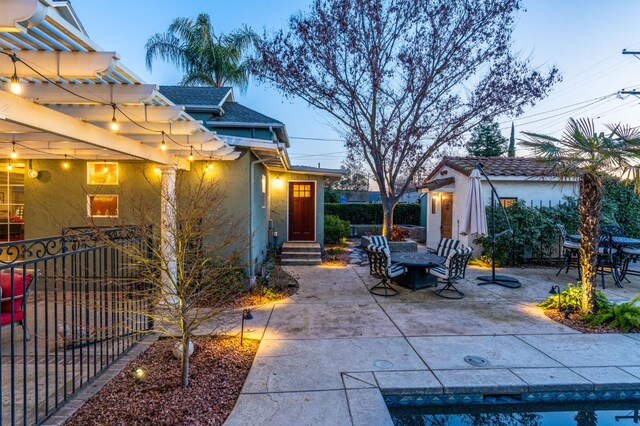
(583, 38)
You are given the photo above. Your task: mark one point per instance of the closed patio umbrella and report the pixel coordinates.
(474, 220)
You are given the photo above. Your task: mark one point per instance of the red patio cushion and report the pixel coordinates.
(19, 284)
(5, 317)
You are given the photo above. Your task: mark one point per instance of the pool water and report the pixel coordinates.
(579, 414)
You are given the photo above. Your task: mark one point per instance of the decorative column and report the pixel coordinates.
(168, 232)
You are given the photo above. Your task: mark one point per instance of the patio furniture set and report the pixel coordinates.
(615, 253)
(418, 270)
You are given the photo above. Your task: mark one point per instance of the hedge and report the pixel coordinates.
(371, 214)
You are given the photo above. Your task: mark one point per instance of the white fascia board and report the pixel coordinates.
(250, 143)
(173, 128)
(550, 179)
(23, 112)
(16, 14)
(243, 124)
(67, 65)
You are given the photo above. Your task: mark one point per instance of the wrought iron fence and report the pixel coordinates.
(71, 306)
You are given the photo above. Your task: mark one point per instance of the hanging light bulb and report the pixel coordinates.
(14, 83)
(163, 146)
(65, 165)
(191, 154)
(14, 154)
(114, 123)
(9, 167)
(210, 165)
(105, 169)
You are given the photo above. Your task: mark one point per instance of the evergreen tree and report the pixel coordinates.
(486, 140)
(512, 142)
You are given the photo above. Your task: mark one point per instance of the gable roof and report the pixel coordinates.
(196, 95)
(495, 166)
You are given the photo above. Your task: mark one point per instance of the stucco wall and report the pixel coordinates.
(58, 197)
(528, 190)
(279, 205)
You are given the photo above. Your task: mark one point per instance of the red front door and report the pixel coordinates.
(302, 211)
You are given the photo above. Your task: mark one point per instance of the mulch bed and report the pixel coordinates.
(281, 286)
(336, 255)
(577, 324)
(219, 366)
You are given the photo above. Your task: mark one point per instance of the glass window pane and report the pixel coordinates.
(103, 205)
(102, 173)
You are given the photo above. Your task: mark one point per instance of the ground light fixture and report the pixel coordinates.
(246, 315)
(114, 123)
(139, 374)
(556, 290)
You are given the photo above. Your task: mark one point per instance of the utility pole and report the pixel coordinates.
(637, 55)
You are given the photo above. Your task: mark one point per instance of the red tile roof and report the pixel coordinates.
(495, 166)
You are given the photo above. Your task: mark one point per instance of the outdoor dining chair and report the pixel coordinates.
(380, 266)
(445, 246)
(452, 270)
(379, 241)
(608, 258)
(570, 251)
(12, 309)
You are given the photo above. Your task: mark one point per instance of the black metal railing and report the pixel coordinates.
(71, 306)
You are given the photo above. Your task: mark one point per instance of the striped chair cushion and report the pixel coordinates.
(446, 245)
(395, 270)
(457, 251)
(439, 272)
(378, 249)
(379, 240)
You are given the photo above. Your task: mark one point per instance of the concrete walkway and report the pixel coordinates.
(328, 353)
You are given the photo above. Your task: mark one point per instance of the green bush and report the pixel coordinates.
(335, 229)
(371, 214)
(571, 298)
(624, 316)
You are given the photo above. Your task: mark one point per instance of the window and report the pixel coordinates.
(102, 173)
(264, 191)
(301, 190)
(508, 201)
(12, 203)
(102, 205)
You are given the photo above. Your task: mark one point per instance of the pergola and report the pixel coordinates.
(72, 92)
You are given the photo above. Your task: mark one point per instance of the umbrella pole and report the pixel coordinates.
(502, 280)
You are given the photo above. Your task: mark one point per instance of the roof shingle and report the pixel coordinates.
(195, 95)
(495, 166)
(237, 113)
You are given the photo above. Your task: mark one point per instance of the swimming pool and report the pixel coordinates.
(526, 414)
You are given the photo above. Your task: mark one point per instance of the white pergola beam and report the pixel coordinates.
(67, 65)
(104, 113)
(144, 128)
(16, 12)
(21, 111)
(96, 93)
(206, 146)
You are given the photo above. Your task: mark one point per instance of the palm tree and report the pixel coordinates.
(206, 58)
(588, 156)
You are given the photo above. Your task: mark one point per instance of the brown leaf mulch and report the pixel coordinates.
(219, 366)
(577, 324)
(281, 286)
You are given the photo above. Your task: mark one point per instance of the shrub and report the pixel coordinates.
(371, 214)
(625, 316)
(571, 298)
(335, 229)
(398, 234)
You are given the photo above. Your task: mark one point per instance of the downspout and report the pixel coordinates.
(252, 274)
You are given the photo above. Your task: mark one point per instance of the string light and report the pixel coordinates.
(114, 123)
(163, 146)
(14, 84)
(210, 165)
(191, 154)
(14, 154)
(105, 169)
(65, 165)
(9, 166)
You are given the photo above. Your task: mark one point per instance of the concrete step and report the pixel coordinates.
(300, 247)
(300, 262)
(300, 255)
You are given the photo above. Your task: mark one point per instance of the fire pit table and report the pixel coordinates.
(417, 264)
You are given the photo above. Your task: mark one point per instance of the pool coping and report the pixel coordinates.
(370, 393)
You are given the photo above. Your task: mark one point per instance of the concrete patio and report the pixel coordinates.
(329, 352)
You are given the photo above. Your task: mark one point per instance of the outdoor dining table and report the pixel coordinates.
(417, 264)
(620, 241)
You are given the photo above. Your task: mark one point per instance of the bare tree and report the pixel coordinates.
(356, 177)
(402, 78)
(186, 280)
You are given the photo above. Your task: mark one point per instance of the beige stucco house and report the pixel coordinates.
(515, 179)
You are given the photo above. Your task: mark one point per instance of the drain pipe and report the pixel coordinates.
(252, 274)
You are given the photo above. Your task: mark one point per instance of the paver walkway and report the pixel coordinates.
(327, 351)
